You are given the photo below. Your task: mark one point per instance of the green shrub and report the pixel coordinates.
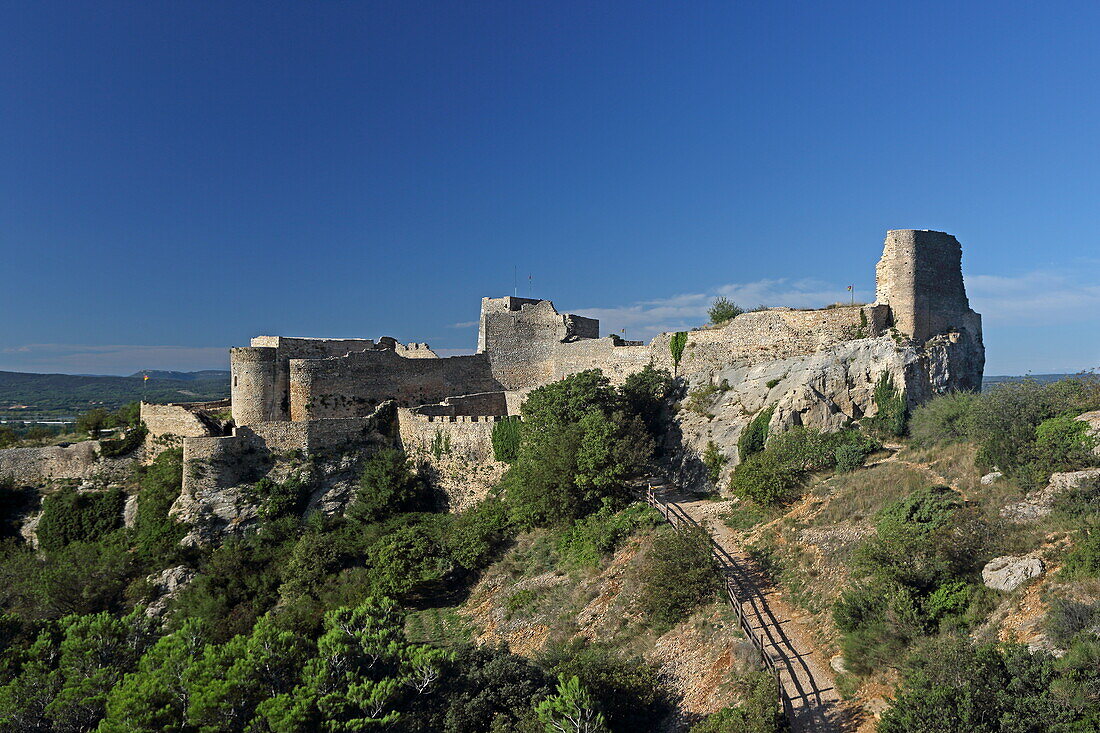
(772, 383)
(760, 712)
(69, 516)
(776, 475)
(944, 419)
(156, 534)
(473, 537)
(849, 457)
(1066, 618)
(755, 434)
(598, 535)
(646, 393)
(123, 446)
(701, 399)
(93, 422)
(892, 411)
(723, 310)
(506, 439)
(1083, 561)
(714, 460)
(387, 486)
(679, 574)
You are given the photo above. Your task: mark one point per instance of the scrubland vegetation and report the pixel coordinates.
(889, 558)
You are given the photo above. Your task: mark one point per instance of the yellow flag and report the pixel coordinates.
(146, 377)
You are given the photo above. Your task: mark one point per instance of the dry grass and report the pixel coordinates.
(858, 496)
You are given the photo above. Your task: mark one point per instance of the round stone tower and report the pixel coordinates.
(254, 373)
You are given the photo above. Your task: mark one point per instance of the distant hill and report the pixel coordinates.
(989, 382)
(70, 394)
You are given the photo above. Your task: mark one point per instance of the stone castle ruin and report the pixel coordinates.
(334, 400)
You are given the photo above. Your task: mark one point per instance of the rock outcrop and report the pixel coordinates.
(1040, 503)
(1011, 571)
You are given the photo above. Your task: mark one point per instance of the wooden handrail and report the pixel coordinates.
(677, 518)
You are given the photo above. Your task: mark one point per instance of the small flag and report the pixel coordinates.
(146, 377)
(849, 288)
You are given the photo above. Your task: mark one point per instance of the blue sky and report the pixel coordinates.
(177, 177)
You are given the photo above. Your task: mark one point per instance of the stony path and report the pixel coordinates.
(807, 679)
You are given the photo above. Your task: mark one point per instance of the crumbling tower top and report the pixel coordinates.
(920, 278)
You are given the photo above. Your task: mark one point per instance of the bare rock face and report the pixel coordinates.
(1040, 503)
(129, 511)
(167, 585)
(991, 478)
(1010, 572)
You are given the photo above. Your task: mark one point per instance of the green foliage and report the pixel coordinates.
(916, 578)
(13, 502)
(93, 422)
(70, 516)
(1005, 424)
(475, 536)
(723, 310)
(950, 684)
(679, 574)
(944, 419)
(128, 415)
(755, 435)
(506, 440)
(714, 460)
(8, 437)
(579, 447)
(701, 399)
(387, 486)
(124, 446)
(1083, 560)
(759, 713)
(776, 474)
(676, 345)
(570, 710)
(286, 498)
(441, 444)
(892, 411)
(623, 688)
(849, 457)
(156, 535)
(1067, 618)
(646, 394)
(772, 383)
(593, 538)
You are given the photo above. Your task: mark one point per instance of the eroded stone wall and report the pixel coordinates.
(78, 461)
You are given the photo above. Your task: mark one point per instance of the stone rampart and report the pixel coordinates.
(355, 384)
(617, 359)
(182, 419)
(80, 461)
(777, 333)
(484, 403)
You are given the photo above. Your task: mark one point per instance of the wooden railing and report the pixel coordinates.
(679, 519)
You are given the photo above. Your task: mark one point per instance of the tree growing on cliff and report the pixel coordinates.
(676, 345)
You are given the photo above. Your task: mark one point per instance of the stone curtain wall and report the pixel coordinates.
(180, 419)
(455, 454)
(355, 384)
(778, 333)
(79, 461)
(617, 362)
(484, 403)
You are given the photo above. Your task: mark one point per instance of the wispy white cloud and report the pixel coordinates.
(464, 324)
(110, 358)
(1036, 297)
(645, 319)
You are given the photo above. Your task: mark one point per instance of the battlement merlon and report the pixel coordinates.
(920, 277)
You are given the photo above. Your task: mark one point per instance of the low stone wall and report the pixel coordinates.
(79, 461)
(455, 453)
(184, 419)
(483, 404)
(617, 362)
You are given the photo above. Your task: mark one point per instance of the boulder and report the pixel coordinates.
(167, 584)
(1011, 571)
(129, 511)
(1040, 503)
(990, 478)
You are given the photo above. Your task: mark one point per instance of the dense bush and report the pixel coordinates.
(755, 435)
(776, 474)
(388, 486)
(580, 446)
(124, 446)
(714, 460)
(646, 394)
(944, 419)
(506, 439)
(722, 310)
(624, 689)
(759, 713)
(156, 534)
(950, 684)
(678, 574)
(914, 577)
(591, 539)
(1083, 560)
(71, 516)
